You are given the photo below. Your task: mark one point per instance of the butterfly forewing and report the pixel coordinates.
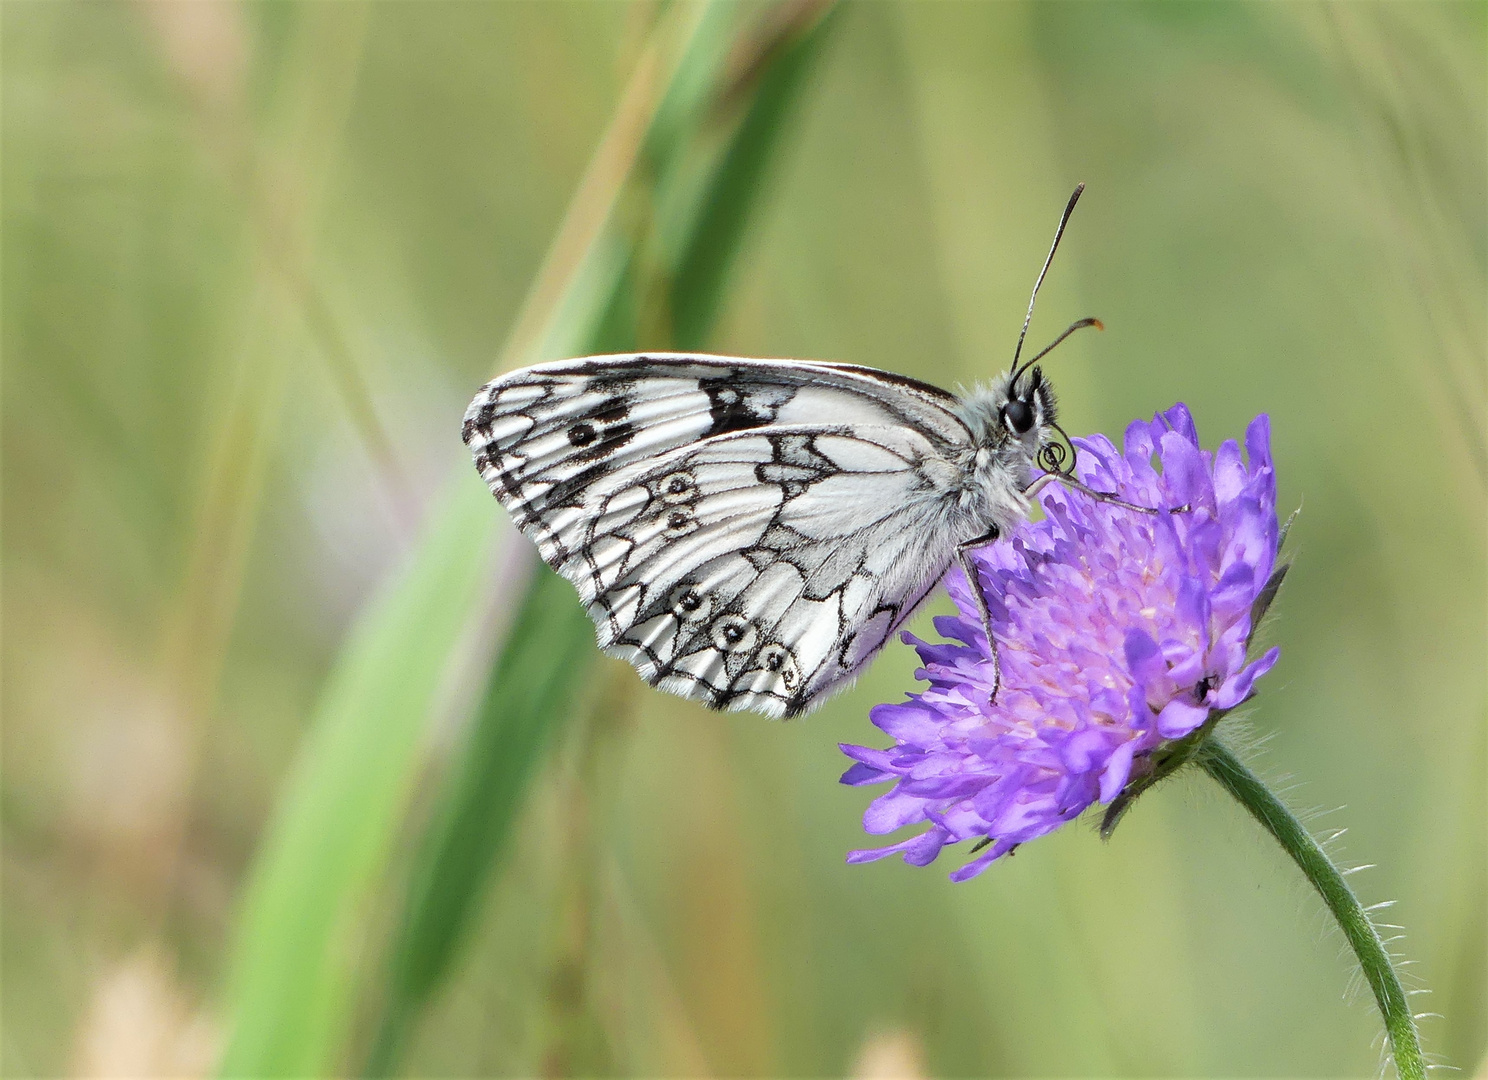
(744, 532)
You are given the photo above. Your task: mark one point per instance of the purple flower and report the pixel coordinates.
(1118, 633)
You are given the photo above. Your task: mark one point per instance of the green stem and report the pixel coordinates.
(1220, 763)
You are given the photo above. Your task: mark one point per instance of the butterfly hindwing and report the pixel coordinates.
(761, 569)
(731, 552)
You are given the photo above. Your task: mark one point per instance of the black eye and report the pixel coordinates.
(1019, 415)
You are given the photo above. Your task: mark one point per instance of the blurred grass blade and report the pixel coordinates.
(296, 954)
(550, 646)
(530, 691)
(291, 987)
(735, 186)
(585, 266)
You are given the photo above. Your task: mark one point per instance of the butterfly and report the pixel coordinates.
(749, 533)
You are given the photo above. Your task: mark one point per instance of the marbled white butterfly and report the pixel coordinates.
(749, 533)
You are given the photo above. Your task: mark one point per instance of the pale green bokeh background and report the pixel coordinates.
(1285, 213)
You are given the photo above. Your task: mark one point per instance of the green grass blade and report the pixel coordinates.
(524, 707)
(530, 691)
(296, 957)
(343, 801)
(698, 283)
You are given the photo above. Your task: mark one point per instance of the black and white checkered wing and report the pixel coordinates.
(746, 533)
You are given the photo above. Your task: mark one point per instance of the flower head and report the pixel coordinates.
(1118, 632)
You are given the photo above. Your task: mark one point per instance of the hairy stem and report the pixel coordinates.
(1405, 1045)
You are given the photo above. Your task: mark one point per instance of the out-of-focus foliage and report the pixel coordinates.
(256, 259)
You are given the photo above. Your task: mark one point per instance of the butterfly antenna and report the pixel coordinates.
(1063, 221)
(1047, 349)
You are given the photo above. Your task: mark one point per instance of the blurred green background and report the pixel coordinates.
(257, 258)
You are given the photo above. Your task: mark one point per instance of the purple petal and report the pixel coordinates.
(1205, 543)
(1258, 443)
(943, 788)
(1229, 472)
(1193, 608)
(967, 631)
(926, 847)
(1117, 771)
(1179, 717)
(1143, 658)
(1184, 473)
(1187, 663)
(861, 774)
(1227, 655)
(878, 759)
(1237, 689)
(892, 810)
(1180, 420)
(863, 855)
(1086, 750)
(910, 722)
(1141, 714)
(1099, 465)
(1234, 594)
(981, 862)
(1139, 447)
(1252, 539)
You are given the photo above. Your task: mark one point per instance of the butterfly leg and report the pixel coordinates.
(973, 579)
(1099, 496)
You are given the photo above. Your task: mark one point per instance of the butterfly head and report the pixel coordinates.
(1014, 423)
(1026, 407)
(1019, 411)
(1014, 417)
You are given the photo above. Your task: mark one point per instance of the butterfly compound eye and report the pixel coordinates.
(1018, 415)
